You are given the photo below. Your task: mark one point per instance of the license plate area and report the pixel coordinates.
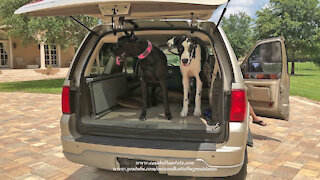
(136, 163)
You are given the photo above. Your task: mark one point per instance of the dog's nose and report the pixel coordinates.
(184, 61)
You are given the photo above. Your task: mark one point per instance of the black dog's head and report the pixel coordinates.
(186, 47)
(121, 50)
(127, 45)
(119, 54)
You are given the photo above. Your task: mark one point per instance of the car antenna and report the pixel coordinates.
(224, 11)
(76, 20)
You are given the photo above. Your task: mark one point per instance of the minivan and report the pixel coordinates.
(96, 131)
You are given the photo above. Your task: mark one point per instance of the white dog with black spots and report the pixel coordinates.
(190, 66)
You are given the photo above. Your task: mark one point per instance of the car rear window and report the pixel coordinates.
(266, 58)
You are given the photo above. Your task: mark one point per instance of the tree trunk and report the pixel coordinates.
(292, 64)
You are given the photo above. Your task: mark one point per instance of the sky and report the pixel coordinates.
(235, 6)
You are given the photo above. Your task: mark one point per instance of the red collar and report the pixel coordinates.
(146, 52)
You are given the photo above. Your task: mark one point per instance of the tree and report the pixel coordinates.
(314, 54)
(61, 31)
(239, 30)
(296, 20)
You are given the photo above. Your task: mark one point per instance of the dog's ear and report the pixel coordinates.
(199, 41)
(170, 42)
(176, 40)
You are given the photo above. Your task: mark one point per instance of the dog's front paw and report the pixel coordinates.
(184, 113)
(197, 113)
(142, 117)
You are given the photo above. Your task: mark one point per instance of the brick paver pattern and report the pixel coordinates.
(30, 146)
(12, 75)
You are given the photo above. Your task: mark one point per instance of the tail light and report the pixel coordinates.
(261, 76)
(65, 100)
(238, 105)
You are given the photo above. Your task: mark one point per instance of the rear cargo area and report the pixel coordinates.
(111, 97)
(126, 117)
(116, 101)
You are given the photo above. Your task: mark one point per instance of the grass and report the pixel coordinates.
(302, 66)
(306, 81)
(52, 86)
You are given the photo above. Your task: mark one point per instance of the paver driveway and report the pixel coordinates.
(30, 143)
(12, 75)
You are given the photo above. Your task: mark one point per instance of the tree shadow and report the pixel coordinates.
(261, 137)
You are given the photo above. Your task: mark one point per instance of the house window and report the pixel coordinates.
(3, 56)
(51, 55)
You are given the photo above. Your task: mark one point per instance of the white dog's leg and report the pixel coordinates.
(197, 109)
(186, 85)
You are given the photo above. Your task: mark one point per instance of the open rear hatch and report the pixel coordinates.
(143, 9)
(136, 10)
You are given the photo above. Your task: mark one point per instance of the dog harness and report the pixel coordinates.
(146, 52)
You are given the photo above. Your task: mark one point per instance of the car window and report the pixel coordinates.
(173, 60)
(104, 63)
(266, 59)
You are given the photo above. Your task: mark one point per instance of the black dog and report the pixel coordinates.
(152, 67)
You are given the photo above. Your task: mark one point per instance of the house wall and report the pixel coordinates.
(31, 54)
(28, 53)
(66, 56)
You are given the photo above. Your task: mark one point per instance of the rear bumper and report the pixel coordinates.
(223, 160)
(190, 163)
(198, 168)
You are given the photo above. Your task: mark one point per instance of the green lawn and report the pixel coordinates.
(306, 82)
(53, 86)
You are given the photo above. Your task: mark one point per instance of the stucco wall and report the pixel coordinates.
(31, 54)
(28, 53)
(66, 56)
